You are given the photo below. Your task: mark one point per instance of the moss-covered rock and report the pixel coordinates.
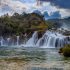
(65, 51)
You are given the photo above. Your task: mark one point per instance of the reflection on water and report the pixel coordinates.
(32, 59)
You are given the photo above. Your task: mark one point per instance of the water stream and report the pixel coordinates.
(50, 39)
(32, 59)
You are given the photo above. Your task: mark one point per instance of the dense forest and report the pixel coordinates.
(20, 23)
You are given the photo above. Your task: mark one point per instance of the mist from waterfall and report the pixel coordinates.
(65, 26)
(33, 40)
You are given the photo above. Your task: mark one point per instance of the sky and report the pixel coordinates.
(52, 7)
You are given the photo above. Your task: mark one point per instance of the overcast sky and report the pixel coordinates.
(50, 6)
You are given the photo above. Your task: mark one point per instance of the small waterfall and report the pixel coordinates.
(9, 41)
(33, 40)
(17, 40)
(1, 41)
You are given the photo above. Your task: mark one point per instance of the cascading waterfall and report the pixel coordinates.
(1, 41)
(17, 40)
(50, 39)
(33, 40)
(9, 41)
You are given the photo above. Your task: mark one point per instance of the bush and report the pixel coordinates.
(65, 51)
(21, 23)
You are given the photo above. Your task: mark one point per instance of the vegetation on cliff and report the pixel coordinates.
(20, 23)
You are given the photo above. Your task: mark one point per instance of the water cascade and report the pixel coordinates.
(9, 41)
(33, 40)
(17, 40)
(1, 41)
(50, 39)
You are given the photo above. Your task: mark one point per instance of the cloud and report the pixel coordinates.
(46, 15)
(19, 6)
(63, 6)
(53, 15)
(37, 11)
(59, 3)
(5, 8)
(10, 5)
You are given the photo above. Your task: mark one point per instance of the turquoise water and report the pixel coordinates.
(32, 59)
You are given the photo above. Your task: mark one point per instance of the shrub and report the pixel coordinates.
(65, 50)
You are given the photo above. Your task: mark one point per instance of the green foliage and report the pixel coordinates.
(49, 24)
(65, 50)
(21, 23)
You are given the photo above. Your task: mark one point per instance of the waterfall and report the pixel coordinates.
(50, 39)
(33, 40)
(17, 40)
(9, 41)
(1, 41)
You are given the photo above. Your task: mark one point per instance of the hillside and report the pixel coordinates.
(20, 23)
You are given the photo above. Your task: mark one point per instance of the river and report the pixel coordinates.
(32, 59)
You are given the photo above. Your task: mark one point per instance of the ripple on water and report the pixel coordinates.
(32, 59)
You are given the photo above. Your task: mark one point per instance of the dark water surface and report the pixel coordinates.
(32, 59)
